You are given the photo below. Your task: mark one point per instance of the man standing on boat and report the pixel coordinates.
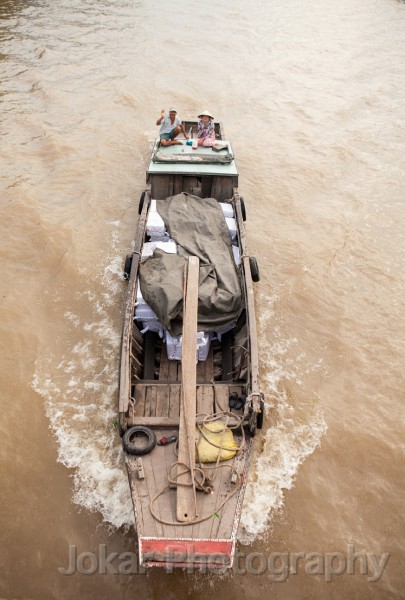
(170, 127)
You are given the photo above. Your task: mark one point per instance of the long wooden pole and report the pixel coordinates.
(186, 508)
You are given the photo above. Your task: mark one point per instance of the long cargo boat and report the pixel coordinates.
(189, 396)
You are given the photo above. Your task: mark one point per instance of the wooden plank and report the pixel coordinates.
(137, 365)
(206, 186)
(177, 184)
(221, 397)
(170, 458)
(128, 328)
(150, 401)
(159, 421)
(222, 188)
(189, 184)
(155, 483)
(160, 472)
(224, 526)
(162, 401)
(140, 498)
(174, 408)
(140, 392)
(137, 336)
(160, 186)
(205, 399)
(186, 494)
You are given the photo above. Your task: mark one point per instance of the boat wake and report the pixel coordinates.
(78, 381)
(290, 433)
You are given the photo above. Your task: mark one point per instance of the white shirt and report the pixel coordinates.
(167, 126)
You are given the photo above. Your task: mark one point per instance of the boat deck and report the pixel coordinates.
(176, 525)
(158, 406)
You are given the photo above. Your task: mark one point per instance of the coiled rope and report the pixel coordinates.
(199, 478)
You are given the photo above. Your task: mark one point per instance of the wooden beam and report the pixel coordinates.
(171, 422)
(129, 329)
(186, 507)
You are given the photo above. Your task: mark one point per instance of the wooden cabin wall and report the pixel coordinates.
(207, 186)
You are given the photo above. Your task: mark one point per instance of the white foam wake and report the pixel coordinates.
(289, 435)
(78, 378)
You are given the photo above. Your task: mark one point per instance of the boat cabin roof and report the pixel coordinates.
(183, 160)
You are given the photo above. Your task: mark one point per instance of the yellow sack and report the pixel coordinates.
(209, 440)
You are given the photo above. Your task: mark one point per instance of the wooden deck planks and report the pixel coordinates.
(221, 397)
(140, 491)
(170, 496)
(162, 400)
(150, 401)
(140, 393)
(227, 513)
(157, 467)
(226, 523)
(155, 483)
(205, 399)
(161, 458)
(174, 400)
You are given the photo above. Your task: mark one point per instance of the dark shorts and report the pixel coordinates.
(167, 136)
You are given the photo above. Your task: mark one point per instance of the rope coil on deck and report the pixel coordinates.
(202, 482)
(200, 519)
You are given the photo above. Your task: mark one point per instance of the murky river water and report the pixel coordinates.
(312, 96)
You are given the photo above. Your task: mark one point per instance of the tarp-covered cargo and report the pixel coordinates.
(198, 227)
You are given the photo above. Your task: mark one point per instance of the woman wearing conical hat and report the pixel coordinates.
(206, 129)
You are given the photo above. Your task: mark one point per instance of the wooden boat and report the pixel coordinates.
(187, 512)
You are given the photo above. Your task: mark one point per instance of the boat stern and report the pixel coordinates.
(196, 554)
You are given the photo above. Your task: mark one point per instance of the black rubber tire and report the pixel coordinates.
(254, 269)
(141, 203)
(133, 431)
(242, 208)
(127, 266)
(260, 416)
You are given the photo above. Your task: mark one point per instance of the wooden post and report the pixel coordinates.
(186, 508)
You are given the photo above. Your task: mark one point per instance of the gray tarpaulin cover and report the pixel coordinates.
(198, 226)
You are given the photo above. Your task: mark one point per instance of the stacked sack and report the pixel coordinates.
(174, 345)
(155, 226)
(144, 313)
(155, 229)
